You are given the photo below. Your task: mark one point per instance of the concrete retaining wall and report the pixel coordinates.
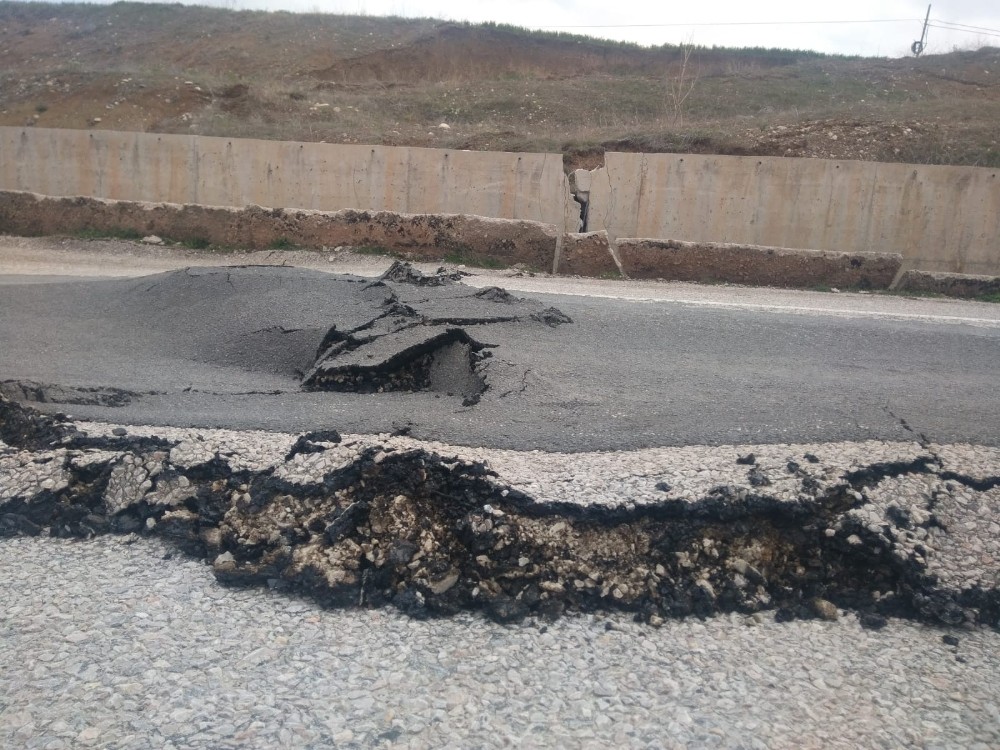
(471, 239)
(942, 219)
(937, 218)
(326, 177)
(429, 236)
(759, 266)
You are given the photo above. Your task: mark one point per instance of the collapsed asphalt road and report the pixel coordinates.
(893, 529)
(229, 348)
(267, 330)
(902, 528)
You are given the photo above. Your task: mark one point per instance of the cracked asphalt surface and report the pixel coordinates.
(625, 374)
(821, 467)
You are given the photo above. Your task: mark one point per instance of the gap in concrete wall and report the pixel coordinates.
(579, 186)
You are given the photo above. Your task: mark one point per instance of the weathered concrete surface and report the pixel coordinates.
(586, 254)
(761, 266)
(938, 218)
(328, 177)
(422, 235)
(950, 284)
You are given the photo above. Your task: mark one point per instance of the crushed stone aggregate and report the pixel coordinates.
(114, 644)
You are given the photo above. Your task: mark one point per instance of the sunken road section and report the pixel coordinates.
(886, 529)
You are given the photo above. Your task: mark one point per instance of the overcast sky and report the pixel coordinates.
(764, 23)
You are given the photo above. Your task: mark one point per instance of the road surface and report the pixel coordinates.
(821, 468)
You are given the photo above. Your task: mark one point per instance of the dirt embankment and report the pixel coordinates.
(351, 79)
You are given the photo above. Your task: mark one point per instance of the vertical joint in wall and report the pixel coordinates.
(579, 186)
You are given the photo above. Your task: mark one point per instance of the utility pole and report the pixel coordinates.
(918, 46)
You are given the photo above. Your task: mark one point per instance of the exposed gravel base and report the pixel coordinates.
(881, 525)
(116, 645)
(959, 524)
(611, 478)
(122, 641)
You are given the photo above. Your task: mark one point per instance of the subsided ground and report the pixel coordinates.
(640, 365)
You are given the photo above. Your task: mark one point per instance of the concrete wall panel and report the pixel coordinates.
(938, 218)
(950, 284)
(238, 172)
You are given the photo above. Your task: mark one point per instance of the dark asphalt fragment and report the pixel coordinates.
(403, 273)
(758, 478)
(41, 393)
(312, 442)
(872, 621)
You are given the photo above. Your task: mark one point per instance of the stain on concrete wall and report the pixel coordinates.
(421, 236)
(711, 262)
(473, 239)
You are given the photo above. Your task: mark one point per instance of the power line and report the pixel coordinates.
(723, 23)
(966, 26)
(964, 31)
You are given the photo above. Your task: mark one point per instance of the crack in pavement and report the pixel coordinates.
(522, 389)
(392, 521)
(417, 350)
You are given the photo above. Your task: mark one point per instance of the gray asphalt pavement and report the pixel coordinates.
(225, 348)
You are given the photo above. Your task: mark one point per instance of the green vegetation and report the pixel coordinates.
(108, 234)
(465, 257)
(375, 250)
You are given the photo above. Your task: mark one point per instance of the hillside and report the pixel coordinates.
(361, 79)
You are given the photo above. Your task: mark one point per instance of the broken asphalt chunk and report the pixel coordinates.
(413, 359)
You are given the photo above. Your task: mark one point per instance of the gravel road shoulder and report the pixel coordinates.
(116, 645)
